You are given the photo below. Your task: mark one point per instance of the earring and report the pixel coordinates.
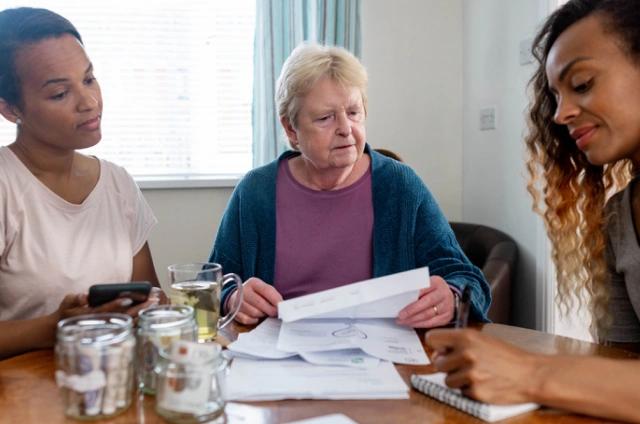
(18, 122)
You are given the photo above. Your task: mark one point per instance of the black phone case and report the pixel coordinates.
(103, 293)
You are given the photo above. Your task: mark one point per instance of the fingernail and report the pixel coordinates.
(126, 302)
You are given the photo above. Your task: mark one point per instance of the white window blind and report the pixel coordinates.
(176, 81)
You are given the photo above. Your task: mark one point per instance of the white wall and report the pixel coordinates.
(413, 52)
(187, 223)
(494, 175)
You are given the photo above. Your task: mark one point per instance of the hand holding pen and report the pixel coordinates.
(481, 366)
(463, 306)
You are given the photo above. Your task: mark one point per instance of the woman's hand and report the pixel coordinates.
(72, 305)
(77, 304)
(434, 308)
(483, 367)
(158, 296)
(259, 300)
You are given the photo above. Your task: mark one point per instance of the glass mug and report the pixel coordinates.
(200, 285)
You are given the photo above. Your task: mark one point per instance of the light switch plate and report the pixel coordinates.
(488, 118)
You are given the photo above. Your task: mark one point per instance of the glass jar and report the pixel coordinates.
(158, 327)
(191, 382)
(94, 364)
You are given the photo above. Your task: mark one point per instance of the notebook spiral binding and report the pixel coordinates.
(451, 397)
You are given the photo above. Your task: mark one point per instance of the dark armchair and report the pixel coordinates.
(496, 254)
(491, 250)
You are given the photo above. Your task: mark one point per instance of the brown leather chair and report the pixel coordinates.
(496, 254)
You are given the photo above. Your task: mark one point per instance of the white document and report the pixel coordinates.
(326, 419)
(255, 380)
(261, 343)
(345, 358)
(381, 297)
(381, 338)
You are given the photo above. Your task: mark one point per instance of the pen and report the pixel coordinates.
(462, 315)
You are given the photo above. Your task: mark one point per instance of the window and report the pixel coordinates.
(176, 81)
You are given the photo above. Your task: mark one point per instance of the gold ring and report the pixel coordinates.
(435, 309)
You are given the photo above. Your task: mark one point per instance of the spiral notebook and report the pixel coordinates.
(433, 385)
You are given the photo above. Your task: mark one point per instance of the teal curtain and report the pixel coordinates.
(280, 26)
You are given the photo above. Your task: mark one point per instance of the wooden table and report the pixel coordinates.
(28, 393)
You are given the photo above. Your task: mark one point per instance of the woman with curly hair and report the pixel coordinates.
(584, 143)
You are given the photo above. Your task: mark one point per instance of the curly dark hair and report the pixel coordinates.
(19, 27)
(568, 191)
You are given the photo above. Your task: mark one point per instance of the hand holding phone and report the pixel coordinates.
(137, 291)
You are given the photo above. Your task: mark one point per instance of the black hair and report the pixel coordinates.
(620, 17)
(19, 27)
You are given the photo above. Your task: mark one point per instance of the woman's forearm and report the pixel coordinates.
(590, 385)
(24, 335)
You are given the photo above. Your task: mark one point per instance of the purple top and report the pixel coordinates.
(324, 239)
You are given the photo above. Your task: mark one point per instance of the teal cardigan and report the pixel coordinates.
(409, 230)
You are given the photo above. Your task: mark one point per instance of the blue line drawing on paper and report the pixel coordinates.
(349, 331)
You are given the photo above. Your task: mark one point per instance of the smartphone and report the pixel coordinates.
(103, 293)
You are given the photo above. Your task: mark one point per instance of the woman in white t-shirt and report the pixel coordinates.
(67, 220)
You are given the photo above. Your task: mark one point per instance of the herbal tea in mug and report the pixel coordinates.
(200, 285)
(200, 295)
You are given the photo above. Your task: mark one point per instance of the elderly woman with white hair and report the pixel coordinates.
(332, 211)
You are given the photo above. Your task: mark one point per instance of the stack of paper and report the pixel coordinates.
(261, 343)
(254, 380)
(380, 338)
(344, 340)
(326, 419)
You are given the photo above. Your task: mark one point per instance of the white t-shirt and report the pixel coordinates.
(50, 247)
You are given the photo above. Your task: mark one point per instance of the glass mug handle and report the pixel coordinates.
(230, 279)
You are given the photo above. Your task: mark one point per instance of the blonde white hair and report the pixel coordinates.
(306, 65)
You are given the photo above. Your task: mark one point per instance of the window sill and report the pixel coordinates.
(185, 181)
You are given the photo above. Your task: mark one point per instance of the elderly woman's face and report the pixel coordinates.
(330, 130)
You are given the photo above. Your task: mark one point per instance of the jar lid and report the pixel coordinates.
(105, 328)
(166, 316)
